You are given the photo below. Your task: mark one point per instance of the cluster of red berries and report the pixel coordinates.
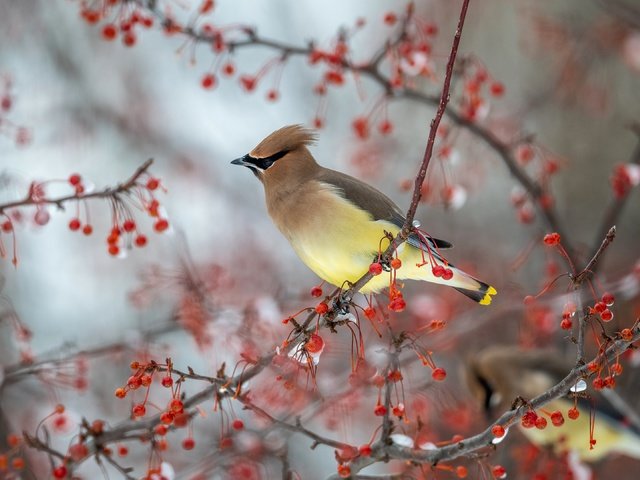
(11, 461)
(602, 307)
(473, 104)
(123, 227)
(124, 26)
(443, 272)
(531, 419)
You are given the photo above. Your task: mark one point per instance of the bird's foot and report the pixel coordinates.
(341, 304)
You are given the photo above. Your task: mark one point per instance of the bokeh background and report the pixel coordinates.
(572, 76)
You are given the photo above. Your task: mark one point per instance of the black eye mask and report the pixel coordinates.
(266, 162)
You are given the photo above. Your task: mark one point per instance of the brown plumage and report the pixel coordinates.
(335, 222)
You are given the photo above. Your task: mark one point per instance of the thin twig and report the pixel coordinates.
(60, 201)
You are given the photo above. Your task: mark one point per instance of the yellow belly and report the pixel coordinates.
(339, 241)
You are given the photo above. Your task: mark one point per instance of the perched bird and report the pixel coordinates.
(336, 223)
(499, 374)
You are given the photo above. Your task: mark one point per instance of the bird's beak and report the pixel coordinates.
(240, 161)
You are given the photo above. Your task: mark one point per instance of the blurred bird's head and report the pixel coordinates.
(282, 156)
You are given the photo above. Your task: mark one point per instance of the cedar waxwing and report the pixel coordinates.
(336, 223)
(499, 374)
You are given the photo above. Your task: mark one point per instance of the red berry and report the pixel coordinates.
(573, 413)
(5, 103)
(129, 226)
(606, 315)
(139, 410)
(273, 95)
(375, 268)
(552, 239)
(74, 224)
(541, 423)
(161, 225)
(166, 418)
(113, 250)
(60, 472)
(140, 241)
(322, 308)
(461, 471)
(397, 304)
(161, 430)
(438, 271)
(557, 418)
(365, 450)
(316, 291)
(120, 392)
(208, 81)
(608, 299)
(390, 18)
(525, 154)
(87, 230)
(134, 382)
(167, 381)
(248, 83)
(497, 89)
(75, 179)
(499, 471)
(129, 39)
(78, 451)
(237, 424)
(498, 431)
(176, 405)
(109, 32)
(566, 324)
(344, 471)
(385, 127)
(145, 380)
(439, 374)
(315, 343)
(447, 274)
(360, 126)
(7, 226)
(396, 263)
(529, 419)
(380, 410)
(188, 443)
(370, 312)
(228, 69)
(123, 451)
(153, 183)
(626, 334)
(600, 307)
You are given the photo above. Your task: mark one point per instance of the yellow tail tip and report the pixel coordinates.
(486, 300)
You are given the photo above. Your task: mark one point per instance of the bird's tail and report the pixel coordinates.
(463, 282)
(472, 287)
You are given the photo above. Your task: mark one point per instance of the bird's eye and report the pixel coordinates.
(265, 162)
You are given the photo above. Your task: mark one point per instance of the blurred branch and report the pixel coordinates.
(19, 371)
(625, 11)
(32, 199)
(617, 204)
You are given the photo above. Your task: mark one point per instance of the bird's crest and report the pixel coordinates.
(287, 139)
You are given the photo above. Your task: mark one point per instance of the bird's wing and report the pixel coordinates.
(376, 203)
